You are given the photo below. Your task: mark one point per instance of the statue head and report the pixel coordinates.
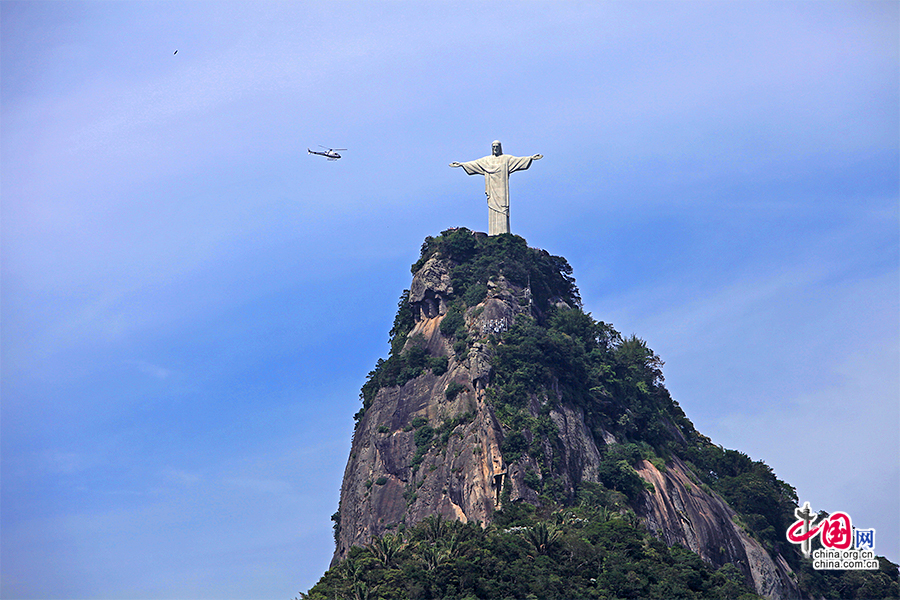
(496, 149)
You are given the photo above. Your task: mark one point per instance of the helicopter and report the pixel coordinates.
(330, 153)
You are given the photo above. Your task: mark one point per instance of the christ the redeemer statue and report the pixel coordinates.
(496, 169)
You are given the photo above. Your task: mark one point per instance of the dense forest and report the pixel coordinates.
(584, 542)
(583, 551)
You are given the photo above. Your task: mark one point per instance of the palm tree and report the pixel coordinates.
(453, 545)
(353, 573)
(435, 528)
(542, 537)
(432, 555)
(386, 549)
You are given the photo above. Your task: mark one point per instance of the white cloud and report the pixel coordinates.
(151, 200)
(260, 486)
(150, 369)
(182, 477)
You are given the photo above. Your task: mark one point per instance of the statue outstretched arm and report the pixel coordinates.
(520, 163)
(473, 167)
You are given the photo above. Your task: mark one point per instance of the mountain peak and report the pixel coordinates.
(501, 394)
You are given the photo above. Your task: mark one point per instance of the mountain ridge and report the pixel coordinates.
(501, 393)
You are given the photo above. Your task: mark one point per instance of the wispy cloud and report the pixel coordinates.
(181, 286)
(151, 369)
(848, 426)
(260, 486)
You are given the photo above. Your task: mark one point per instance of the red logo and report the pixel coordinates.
(834, 532)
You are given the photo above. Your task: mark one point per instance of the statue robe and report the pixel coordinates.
(496, 170)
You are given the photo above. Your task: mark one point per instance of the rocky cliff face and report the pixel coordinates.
(437, 441)
(680, 512)
(389, 479)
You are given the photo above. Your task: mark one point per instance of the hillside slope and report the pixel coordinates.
(502, 400)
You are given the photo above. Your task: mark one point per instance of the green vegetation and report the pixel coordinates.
(453, 390)
(568, 357)
(453, 325)
(437, 364)
(336, 519)
(426, 436)
(618, 384)
(882, 583)
(577, 543)
(422, 438)
(616, 381)
(766, 504)
(476, 260)
(400, 366)
(581, 552)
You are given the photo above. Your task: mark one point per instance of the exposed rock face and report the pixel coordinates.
(433, 446)
(430, 289)
(463, 479)
(680, 512)
(458, 482)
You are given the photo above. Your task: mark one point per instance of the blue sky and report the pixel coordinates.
(190, 302)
